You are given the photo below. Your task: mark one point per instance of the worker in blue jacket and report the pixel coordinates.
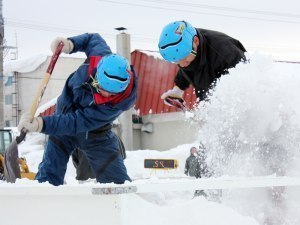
(94, 95)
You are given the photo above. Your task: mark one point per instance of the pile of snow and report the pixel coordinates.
(187, 212)
(252, 128)
(254, 113)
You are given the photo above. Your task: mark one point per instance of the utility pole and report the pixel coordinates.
(123, 49)
(1, 67)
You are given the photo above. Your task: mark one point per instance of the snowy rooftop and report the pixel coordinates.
(24, 65)
(155, 54)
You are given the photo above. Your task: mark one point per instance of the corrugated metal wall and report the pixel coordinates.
(155, 77)
(48, 111)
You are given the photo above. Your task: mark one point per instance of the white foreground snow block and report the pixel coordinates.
(105, 204)
(215, 183)
(77, 205)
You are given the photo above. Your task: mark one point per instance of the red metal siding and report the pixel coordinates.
(155, 77)
(48, 111)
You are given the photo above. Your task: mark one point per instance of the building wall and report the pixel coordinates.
(168, 135)
(27, 84)
(168, 131)
(10, 109)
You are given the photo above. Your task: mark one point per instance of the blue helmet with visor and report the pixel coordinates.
(176, 41)
(113, 73)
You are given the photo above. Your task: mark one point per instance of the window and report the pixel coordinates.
(8, 99)
(9, 81)
(8, 123)
(5, 140)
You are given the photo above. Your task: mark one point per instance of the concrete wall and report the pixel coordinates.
(26, 84)
(168, 131)
(29, 82)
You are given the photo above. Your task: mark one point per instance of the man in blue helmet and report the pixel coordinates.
(94, 95)
(201, 55)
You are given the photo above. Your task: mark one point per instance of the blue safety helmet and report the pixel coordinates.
(176, 41)
(113, 73)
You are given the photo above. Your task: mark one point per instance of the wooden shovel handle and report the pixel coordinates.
(40, 92)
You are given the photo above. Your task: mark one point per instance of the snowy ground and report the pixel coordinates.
(252, 126)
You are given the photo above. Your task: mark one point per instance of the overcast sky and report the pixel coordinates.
(261, 25)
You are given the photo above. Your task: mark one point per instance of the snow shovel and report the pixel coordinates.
(178, 103)
(11, 155)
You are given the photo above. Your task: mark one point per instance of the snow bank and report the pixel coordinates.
(252, 127)
(187, 212)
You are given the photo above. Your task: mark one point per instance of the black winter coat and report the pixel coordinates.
(217, 52)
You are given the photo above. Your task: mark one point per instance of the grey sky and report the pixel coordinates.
(269, 25)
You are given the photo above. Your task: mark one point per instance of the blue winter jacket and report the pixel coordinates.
(75, 110)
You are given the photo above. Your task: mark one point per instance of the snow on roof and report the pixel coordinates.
(32, 63)
(24, 65)
(155, 54)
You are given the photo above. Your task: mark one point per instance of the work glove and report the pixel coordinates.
(175, 93)
(68, 45)
(31, 125)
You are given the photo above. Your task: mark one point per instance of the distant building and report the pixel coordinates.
(23, 77)
(155, 125)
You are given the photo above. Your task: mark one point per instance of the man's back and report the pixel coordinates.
(216, 53)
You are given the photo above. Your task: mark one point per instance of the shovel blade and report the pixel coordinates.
(176, 102)
(11, 163)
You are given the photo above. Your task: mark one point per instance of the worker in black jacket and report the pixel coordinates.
(202, 56)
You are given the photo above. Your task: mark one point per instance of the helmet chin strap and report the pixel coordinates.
(193, 52)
